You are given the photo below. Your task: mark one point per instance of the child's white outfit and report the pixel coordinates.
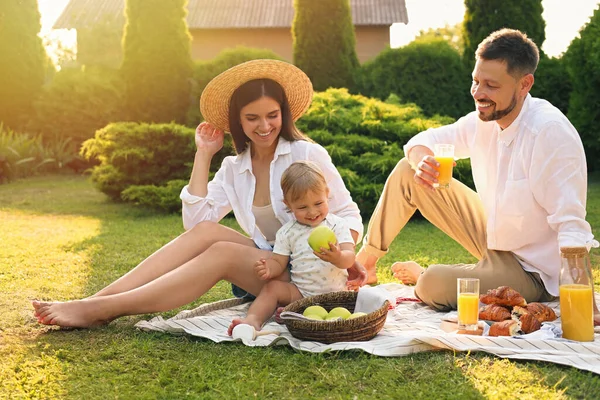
(309, 273)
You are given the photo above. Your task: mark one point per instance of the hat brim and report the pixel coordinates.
(214, 102)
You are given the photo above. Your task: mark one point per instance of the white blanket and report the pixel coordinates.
(409, 328)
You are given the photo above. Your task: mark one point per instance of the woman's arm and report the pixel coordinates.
(203, 200)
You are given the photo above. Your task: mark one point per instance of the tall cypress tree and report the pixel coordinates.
(583, 63)
(23, 63)
(157, 64)
(324, 42)
(483, 17)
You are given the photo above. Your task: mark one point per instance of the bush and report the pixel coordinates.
(77, 103)
(205, 71)
(552, 82)
(428, 72)
(364, 138)
(132, 154)
(583, 63)
(23, 155)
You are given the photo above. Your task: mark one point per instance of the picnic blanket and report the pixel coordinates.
(410, 327)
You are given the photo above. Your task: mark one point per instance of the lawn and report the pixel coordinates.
(61, 239)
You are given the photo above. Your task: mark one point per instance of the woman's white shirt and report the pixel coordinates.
(234, 184)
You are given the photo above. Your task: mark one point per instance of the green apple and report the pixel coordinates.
(339, 312)
(321, 236)
(333, 318)
(356, 315)
(315, 310)
(314, 316)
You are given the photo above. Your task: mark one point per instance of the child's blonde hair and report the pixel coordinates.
(301, 177)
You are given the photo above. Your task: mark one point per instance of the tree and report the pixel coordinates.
(451, 34)
(483, 17)
(583, 64)
(24, 61)
(324, 42)
(157, 65)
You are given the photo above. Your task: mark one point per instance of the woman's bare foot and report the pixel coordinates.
(248, 320)
(370, 263)
(73, 314)
(408, 272)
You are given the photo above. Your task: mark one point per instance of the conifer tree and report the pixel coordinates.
(483, 17)
(23, 61)
(583, 63)
(157, 64)
(324, 42)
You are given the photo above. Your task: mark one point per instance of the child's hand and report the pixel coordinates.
(262, 269)
(332, 255)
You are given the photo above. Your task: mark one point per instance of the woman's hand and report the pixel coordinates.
(208, 138)
(357, 276)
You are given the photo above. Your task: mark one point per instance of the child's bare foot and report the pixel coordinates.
(408, 272)
(370, 263)
(73, 314)
(248, 320)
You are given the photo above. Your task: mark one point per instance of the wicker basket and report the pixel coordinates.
(350, 330)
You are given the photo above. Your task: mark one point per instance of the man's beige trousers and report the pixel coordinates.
(459, 213)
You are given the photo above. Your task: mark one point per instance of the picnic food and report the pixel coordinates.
(511, 313)
(339, 312)
(510, 327)
(541, 311)
(317, 311)
(321, 236)
(494, 312)
(529, 323)
(504, 296)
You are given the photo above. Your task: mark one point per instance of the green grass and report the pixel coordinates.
(61, 239)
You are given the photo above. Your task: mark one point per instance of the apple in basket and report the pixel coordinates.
(315, 312)
(321, 236)
(339, 312)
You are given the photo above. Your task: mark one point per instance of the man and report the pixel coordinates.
(530, 173)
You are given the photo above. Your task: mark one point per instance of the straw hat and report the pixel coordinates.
(214, 102)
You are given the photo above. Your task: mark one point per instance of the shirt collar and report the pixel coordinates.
(245, 159)
(507, 135)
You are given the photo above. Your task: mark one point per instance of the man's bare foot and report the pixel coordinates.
(408, 272)
(370, 263)
(72, 314)
(248, 320)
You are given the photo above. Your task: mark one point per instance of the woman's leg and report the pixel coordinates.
(233, 262)
(177, 252)
(273, 293)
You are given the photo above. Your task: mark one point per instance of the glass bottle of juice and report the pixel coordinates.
(576, 294)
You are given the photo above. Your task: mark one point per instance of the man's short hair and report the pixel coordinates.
(519, 52)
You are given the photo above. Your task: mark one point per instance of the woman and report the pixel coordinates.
(257, 102)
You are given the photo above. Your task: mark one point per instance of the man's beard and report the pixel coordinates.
(499, 114)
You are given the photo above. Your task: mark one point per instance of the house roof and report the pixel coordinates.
(214, 14)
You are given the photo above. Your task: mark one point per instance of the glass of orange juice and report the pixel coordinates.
(444, 154)
(468, 303)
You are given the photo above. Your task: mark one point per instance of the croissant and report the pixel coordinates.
(510, 327)
(541, 311)
(504, 296)
(494, 312)
(529, 323)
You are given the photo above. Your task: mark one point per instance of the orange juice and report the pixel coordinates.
(576, 312)
(468, 308)
(445, 170)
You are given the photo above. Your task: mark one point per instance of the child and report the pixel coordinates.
(305, 193)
